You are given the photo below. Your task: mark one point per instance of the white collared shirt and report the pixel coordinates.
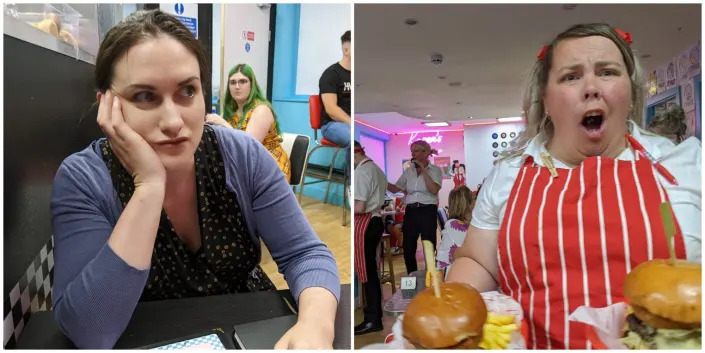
(370, 186)
(415, 185)
(683, 161)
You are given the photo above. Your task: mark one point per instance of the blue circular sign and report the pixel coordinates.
(247, 47)
(179, 9)
(494, 136)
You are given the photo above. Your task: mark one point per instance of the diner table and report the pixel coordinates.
(167, 320)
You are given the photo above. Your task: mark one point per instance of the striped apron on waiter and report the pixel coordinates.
(361, 222)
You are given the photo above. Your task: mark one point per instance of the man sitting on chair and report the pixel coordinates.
(370, 188)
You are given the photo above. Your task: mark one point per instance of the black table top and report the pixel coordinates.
(165, 320)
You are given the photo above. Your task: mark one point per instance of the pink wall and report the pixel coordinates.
(374, 149)
(449, 143)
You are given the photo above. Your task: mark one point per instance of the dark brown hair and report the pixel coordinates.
(346, 37)
(137, 27)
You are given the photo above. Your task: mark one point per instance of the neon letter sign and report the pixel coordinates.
(438, 138)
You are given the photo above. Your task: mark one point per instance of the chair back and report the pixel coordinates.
(314, 111)
(296, 147)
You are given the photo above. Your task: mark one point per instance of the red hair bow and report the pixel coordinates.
(625, 35)
(542, 53)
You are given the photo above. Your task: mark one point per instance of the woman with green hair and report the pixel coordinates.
(246, 108)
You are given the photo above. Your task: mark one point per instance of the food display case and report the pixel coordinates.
(69, 29)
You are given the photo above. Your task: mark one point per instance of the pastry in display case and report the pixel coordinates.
(74, 25)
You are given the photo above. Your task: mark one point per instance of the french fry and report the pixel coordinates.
(503, 328)
(499, 319)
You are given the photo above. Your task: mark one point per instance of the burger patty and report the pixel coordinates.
(646, 332)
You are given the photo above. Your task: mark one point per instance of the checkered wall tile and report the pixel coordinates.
(31, 294)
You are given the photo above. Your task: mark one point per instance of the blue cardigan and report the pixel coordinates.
(96, 292)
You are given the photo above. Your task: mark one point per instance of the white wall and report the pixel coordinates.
(320, 29)
(238, 20)
(215, 50)
(478, 148)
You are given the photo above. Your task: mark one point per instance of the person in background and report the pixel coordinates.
(459, 176)
(574, 206)
(670, 124)
(336, 92)
(246, 108)
(370, 185)
(421, 183)
(460, 204)
(166, 207)
(393, 225)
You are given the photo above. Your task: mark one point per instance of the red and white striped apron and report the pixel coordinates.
(362, 220)
(570, 241)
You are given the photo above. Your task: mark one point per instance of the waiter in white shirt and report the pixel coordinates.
(421, 183)
(370, 184)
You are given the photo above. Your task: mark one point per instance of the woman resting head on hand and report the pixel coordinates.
(165, 207)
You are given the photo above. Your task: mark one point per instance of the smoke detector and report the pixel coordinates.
(437, 58)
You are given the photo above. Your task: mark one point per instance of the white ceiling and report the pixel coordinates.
(489, 49)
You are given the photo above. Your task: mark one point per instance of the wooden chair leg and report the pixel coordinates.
(388, 247)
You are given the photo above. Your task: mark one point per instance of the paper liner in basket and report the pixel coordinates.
(496, 302)
(603, 325)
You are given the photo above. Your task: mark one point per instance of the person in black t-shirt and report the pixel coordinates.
(335, 90)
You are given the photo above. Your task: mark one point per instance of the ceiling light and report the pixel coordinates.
(437, 124)
(508, 120)
(428, 115)
(490, 122)
(411, 21)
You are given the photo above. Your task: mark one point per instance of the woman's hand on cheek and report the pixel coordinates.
(133, 151)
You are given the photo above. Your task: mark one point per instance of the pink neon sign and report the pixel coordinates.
(437, 138)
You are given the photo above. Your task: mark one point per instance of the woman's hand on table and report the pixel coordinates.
(315, 328)
(306, 336)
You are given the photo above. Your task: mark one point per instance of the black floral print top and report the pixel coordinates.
(225, 262)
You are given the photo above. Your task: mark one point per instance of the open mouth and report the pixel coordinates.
(593, 121)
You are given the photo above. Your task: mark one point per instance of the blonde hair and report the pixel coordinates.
(460, 203)
(537, 122)
(425, 145)
(670, 124)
